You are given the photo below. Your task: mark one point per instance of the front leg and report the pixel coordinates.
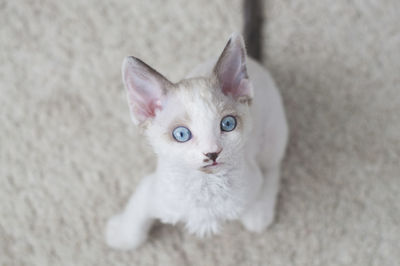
(261, 212)
(129, 229)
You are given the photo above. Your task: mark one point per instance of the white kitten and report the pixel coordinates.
(219, 148)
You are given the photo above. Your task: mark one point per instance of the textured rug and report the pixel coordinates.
(70, 157)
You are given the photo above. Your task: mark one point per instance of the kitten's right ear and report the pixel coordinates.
(146, 89)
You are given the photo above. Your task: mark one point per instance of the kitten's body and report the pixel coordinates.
(244, 185)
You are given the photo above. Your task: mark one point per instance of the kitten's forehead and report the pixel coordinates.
(195, 102)
(201, 96)
(195, 89)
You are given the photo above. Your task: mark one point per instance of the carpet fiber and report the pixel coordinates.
(70, 157)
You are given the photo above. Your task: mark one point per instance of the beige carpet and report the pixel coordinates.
(70, 157)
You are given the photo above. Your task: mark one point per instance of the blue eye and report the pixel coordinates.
(228, 123)
(181, 134)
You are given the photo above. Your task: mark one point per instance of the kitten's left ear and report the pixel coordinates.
(231, 71)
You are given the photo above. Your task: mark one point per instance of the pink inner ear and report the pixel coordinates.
(144, 89)
(231, 70)
(243, 88)
(145, 109)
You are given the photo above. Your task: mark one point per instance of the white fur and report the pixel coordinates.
(243, 187)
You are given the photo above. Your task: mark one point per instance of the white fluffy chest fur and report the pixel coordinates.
(201, 200)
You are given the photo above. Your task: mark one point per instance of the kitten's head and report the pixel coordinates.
(198, 123)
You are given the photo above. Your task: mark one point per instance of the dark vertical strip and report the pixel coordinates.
(252, 30)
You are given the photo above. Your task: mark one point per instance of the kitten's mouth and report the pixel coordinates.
(211, 165)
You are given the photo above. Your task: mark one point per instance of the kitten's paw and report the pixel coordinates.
(257, 219)
(120, 235)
